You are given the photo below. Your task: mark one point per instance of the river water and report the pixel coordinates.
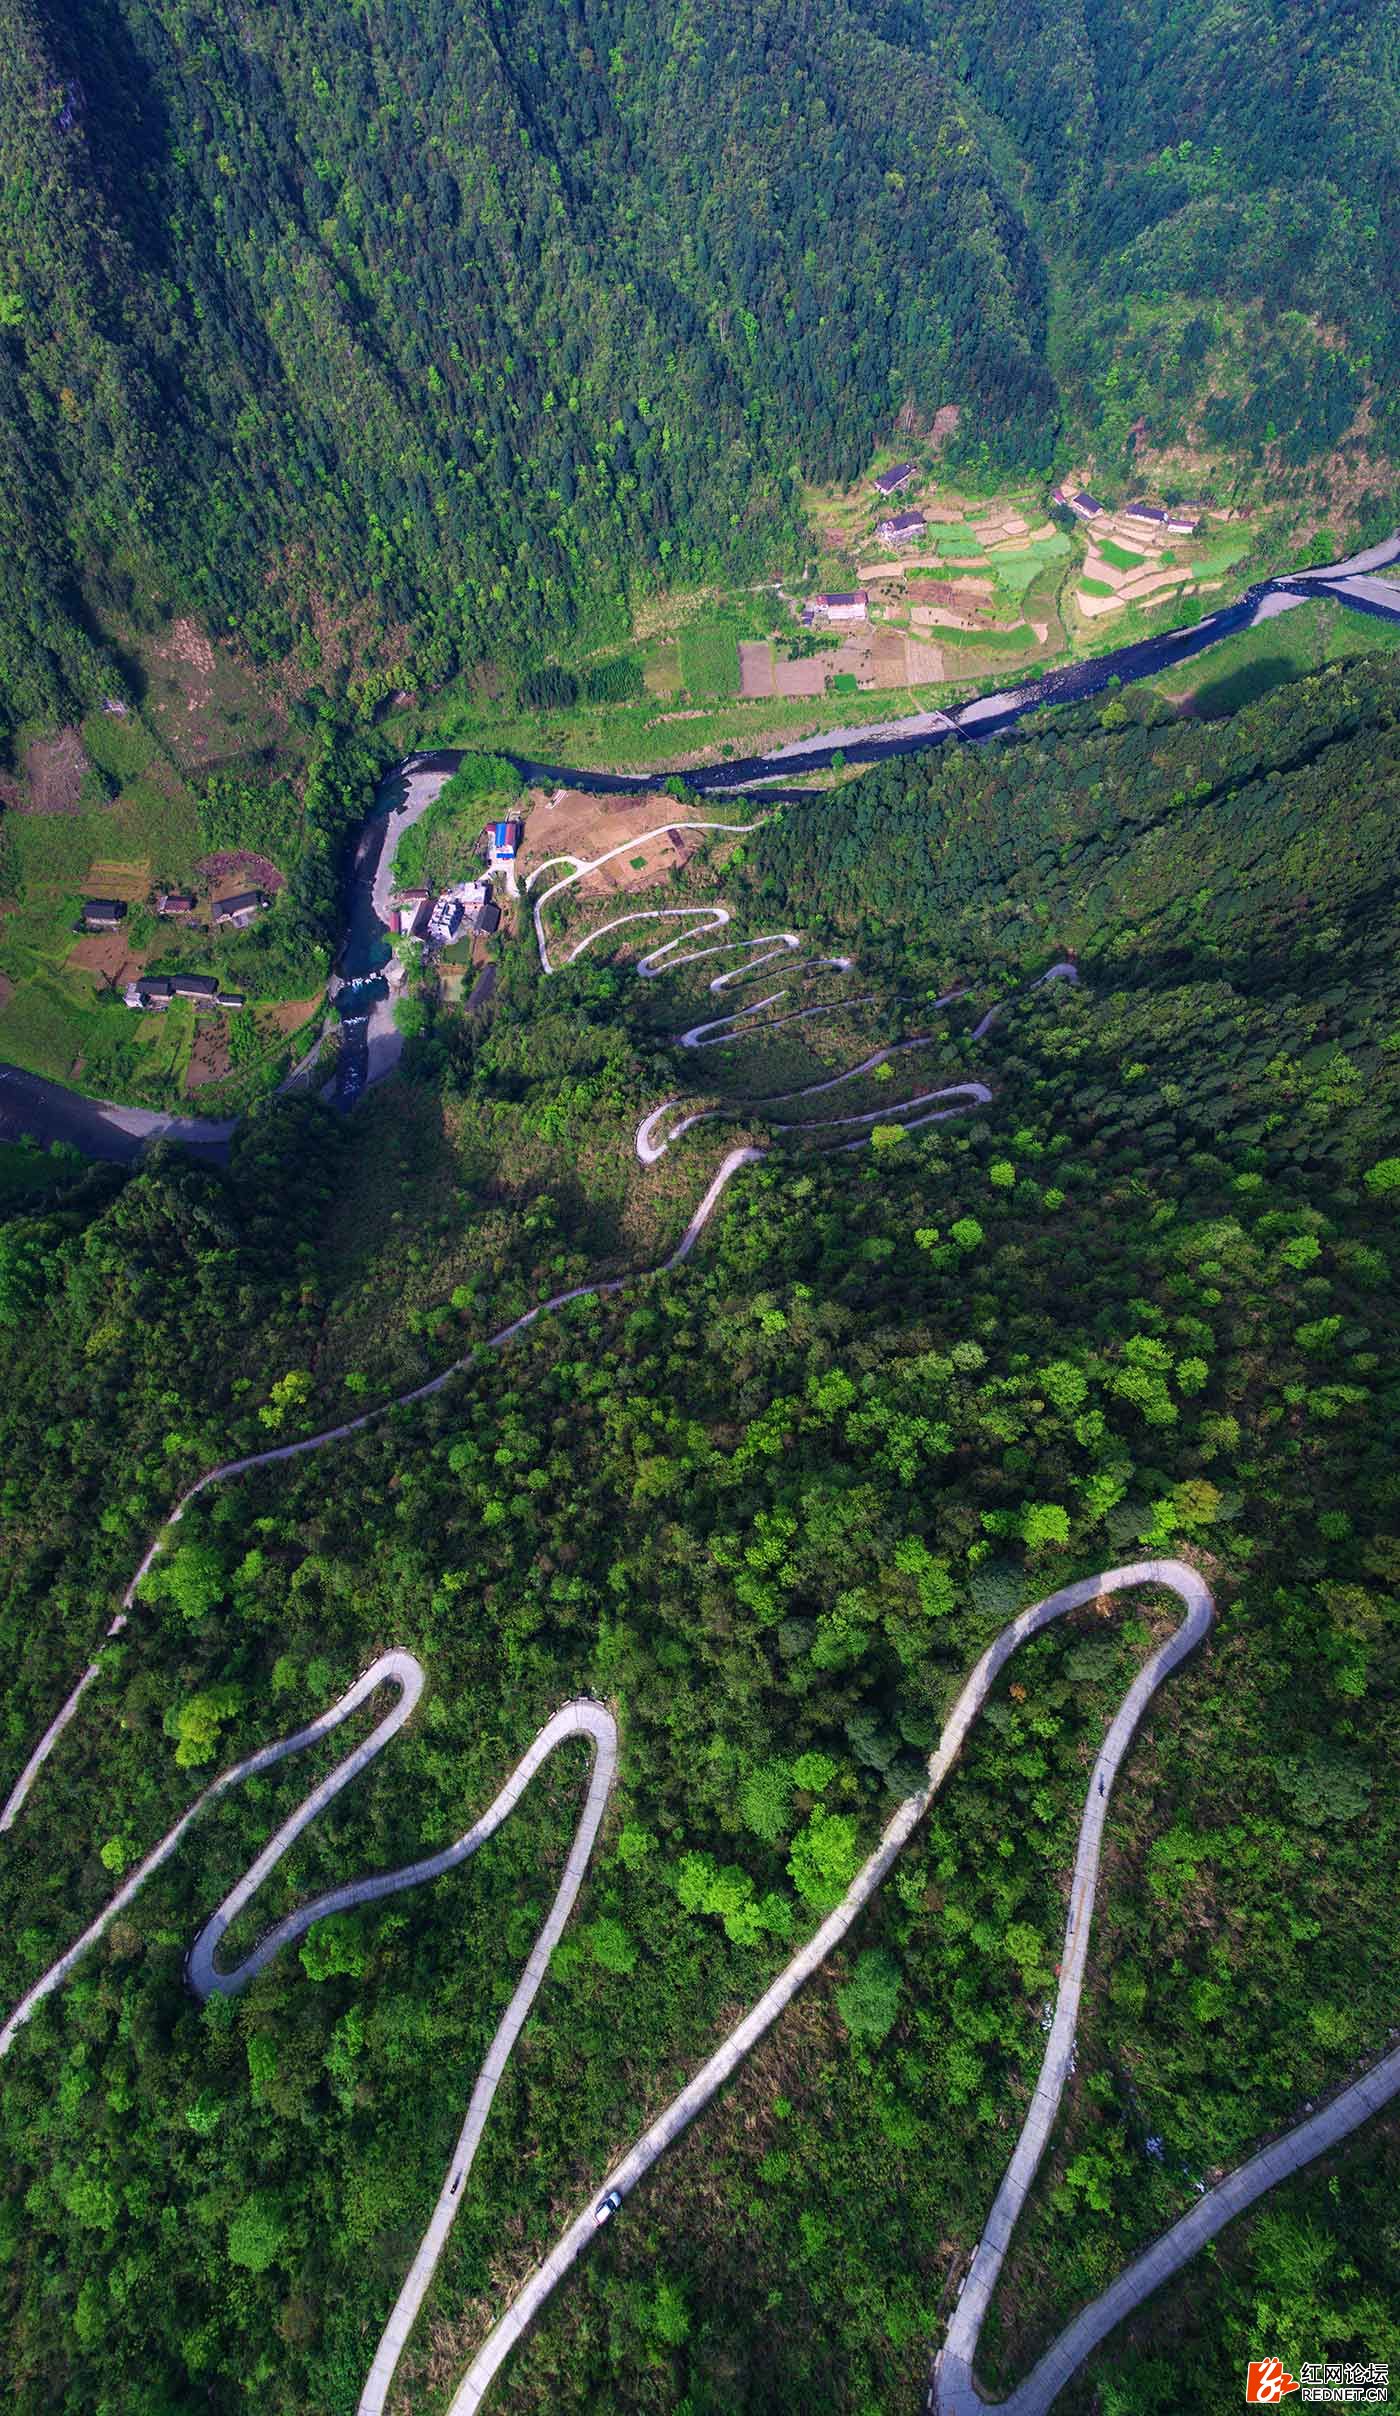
(29, 1104)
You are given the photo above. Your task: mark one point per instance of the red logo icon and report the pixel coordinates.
(1267, 2383)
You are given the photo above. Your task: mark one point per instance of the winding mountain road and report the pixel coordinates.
(402, 1670)
(952, 2390)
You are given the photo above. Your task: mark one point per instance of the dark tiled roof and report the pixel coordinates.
(487, 916)
(895, 477)
(194, 985)
(107, 910)
(247, 902)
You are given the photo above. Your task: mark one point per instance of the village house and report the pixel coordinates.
(1083, 506)
(102, 914)
(409, 910)
(487, 917)
(175, 901)
(505, 837)
(902, 528)
(1147, 515)
(154, 991)
(890, 481)
(445, 921)
(240, 910)
(837, 607)
(1183, 520)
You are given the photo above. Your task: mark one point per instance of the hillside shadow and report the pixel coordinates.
(1217, 699)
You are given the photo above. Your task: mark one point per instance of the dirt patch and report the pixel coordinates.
(937, 616)
(755, 668)
(925, 663)
(209, 1057)
(804, 678)
(53, 775)
(571, 823)
(244, 868)
(1143, 585)
(106, 956)
(889, 660)
(290, 1014)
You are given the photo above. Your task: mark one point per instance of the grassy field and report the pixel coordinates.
(1252, 662)
(1119, 555)
(1019, 570)
(1020, 640)
(1222, 557)
(709, 659)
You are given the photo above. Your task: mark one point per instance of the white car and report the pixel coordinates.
(607, 2207)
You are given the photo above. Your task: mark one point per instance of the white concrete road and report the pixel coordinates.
(403, 1671)
(729, 2055)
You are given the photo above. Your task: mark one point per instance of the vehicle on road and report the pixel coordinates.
(607, 2207)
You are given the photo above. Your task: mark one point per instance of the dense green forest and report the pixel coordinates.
(461, 327)
(770, 1506)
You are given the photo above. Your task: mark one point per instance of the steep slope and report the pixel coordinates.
(494, 316)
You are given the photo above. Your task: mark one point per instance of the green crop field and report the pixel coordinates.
(1095, 587)
(987, 641)
(1221, 557)
(1119, 555)
(709, 659)
(1016, 571)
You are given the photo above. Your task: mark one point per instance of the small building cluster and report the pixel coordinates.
(898, 475)
(853, 607)
(901, 529)
(1179, 520)
(154, 992)
(467, 905)
(235, 913)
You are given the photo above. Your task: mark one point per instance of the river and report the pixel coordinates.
(370, 1044)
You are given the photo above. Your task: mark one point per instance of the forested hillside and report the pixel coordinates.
(770, 1506)
(487, 318)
